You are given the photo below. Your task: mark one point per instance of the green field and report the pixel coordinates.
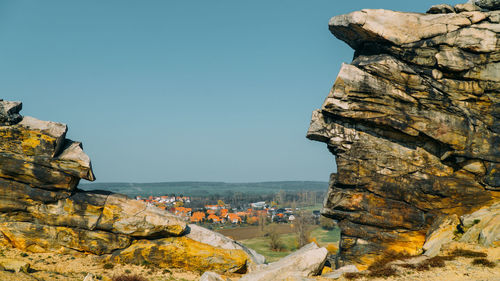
(205, 188)
(261, 244)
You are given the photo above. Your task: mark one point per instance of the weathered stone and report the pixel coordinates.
(482, 226)
(487, 4)
(42, 238)
(441, 232)
(184, 253)
(138, 219)
(33, 137)
(61, 172)
(384, 26)
(339, 272)
(306, 261)
(15, 196)
(14, 167)
(467, 7)
(15, 265)
(441, 9)
(9, 112)
(414, 123)
(218, 240)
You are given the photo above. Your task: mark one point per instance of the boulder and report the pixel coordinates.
(467, 7)
(9, 112)
(339, 272)
(482, 226)
(486, 4)
(183, 253)
(414, 126)
(306, 261)
(33, 137)
(138, 219)
(215, 239)
(14, 265)
(441, 232)
(441, 9)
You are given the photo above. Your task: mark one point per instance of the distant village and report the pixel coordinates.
(222, 213)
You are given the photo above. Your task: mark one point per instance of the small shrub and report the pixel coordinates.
(275, 242)
(127, 271)
(467, 254)
(23, 255)
(108, 266)
(437, 261)
(384, 272)
(483, 262)
(476, 221)
(128, 278)
(353, 275)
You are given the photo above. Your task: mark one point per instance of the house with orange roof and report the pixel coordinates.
(215, 219)
(234, 218)
(224, 212)
(197, 217)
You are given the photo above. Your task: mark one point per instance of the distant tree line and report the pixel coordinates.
(242, 200)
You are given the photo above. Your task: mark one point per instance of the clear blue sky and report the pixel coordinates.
(218, 90)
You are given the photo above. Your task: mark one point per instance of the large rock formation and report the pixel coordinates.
(414, 123)
(42, 210)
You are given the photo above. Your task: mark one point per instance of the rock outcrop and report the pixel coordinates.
(414, 123)
(307, 261)
(42, 210)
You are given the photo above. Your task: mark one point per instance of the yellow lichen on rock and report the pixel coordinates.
(184, 253)
(42, 238)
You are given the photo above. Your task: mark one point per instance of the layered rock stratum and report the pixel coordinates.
(414, 124)
(42, 210)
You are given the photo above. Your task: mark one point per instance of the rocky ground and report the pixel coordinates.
(50, 266)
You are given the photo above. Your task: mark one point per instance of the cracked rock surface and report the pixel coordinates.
(414, 123)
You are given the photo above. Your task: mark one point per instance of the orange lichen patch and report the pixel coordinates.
(184, 253)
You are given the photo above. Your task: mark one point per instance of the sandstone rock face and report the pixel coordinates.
(42, 210)
(441, 232)
(414, 123)
(182, 252)
(203, 235)
(482, 226)
(306, 261)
